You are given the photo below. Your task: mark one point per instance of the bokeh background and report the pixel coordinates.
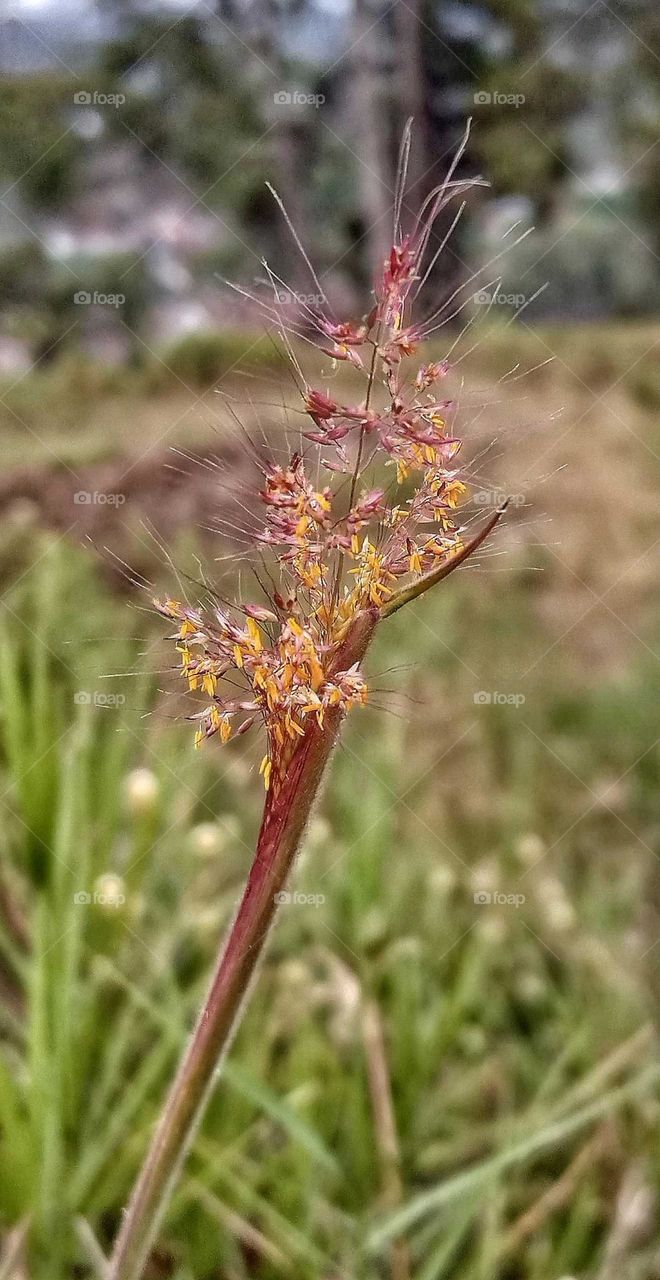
(449, 1066)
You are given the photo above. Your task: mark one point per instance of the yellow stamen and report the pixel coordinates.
(265, 768)
(254, 634)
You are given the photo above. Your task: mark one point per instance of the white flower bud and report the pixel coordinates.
(207, 839)
(530, 849)
(141, 791)
(110, 891)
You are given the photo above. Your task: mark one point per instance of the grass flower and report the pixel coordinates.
(342, 557)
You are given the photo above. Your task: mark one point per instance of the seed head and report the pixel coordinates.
(337, 549)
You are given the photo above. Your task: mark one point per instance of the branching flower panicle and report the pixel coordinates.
(344, 547)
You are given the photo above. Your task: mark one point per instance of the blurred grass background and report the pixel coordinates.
(449, 1067)
(427, 1083)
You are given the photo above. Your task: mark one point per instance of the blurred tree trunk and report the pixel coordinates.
(288, 140)
(395, 76)
(370, 114)
(428, 77)
(412, 92)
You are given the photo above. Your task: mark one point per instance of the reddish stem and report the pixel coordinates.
(286, 812)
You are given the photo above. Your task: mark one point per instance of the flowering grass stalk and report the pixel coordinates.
(343, 558)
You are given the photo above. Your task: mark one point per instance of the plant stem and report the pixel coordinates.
(287, 809)
(420, 585)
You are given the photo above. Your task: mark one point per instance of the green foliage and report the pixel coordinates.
(197, 114)
(513, 1035)
(38, 154)
(598, 268)
(201, 359)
